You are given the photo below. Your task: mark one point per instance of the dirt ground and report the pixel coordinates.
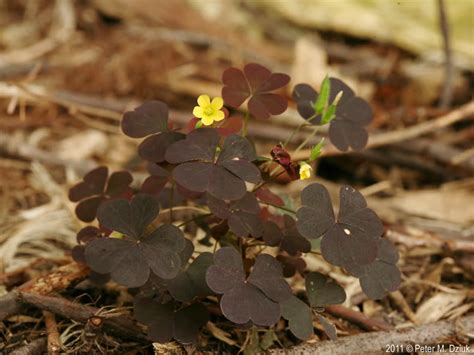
(69, 69)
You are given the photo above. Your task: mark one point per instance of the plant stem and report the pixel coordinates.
(279, 207)
(171, 200)
(193, 219)
(301, 146)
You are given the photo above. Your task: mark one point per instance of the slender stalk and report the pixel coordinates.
(447, 93)
(171, 200)
(279, 207)
(193, 219)
(302, 145)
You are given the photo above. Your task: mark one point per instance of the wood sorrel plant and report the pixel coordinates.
(218, 171)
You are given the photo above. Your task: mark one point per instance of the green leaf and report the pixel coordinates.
(323, 97)
(198, 124)
(316, 151)
(329, 114)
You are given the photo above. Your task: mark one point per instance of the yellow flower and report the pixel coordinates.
(305, 171)
(209, 111)
(116, 235)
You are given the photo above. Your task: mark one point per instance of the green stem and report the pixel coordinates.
(279, 207)
(302, 145)
(295, 131)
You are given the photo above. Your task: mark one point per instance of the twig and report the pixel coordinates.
(58, 280)
(381, 139)
(430, 240)
(35, 347)
(358, 318)
(402, 303)
(122, 326)
(30, 152)
(9, 306)
(434, 333)
(65, 20)
(54, 344)
(112, 109)
(447, 93)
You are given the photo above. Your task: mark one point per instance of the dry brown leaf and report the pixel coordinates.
(220, 334)
(438, 306)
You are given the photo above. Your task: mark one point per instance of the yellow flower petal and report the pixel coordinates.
(218, 116)
(207, 120)
(204, 100)
(197, 112)
(305, 171)
(217, 103)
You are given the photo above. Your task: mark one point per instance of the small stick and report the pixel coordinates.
(402, 303)
(449, 332)
(122, 326)
(54, 343)
(381, 139)
(37, 346)
(357, 318)
(447, 93)
(58, 280)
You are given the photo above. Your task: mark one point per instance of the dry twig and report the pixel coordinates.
(434, 333)
(54, 344)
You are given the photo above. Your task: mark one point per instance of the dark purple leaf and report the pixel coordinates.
(77, 254)
(242, 215)
(153, 185)
(165, 322)
(255, 82)
(154, 147)
(149, 118)
(267, 275)
(227, 272)
(323, 291)
(250, 300)
(382, 275)
(236, 147)
(346, 248)
(299, 316)
(121, 258)
(288, 238)
(305, 97)
(244, 170)
(161, 250)
(87, 234)
(347, 129)
(93, 184)
(316, 216)
(188, 321)
(291, 265)
(192, 282)
(247, 303)
(199, 144)
(352, 239)
(236, 89)
(118, 183)
(86, 210)
(129, 218)
(328, 327)
(267, 196)
(218, 207)
(129, 262)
